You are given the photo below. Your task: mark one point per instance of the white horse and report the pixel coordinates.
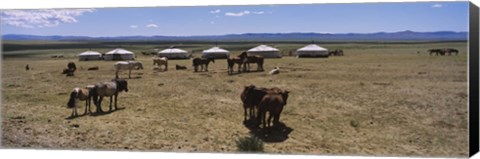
(160, 61)
(127, 65)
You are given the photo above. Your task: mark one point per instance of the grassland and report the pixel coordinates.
(378, 99)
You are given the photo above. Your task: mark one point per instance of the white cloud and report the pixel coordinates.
(133, 26)
(41, 18)
(239, 14)
(215, 11)
(212, 22)
(152, 26)
(437, 6)
(246, 12)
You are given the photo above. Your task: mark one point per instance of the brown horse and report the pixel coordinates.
(451, 50)
(179, 67)
(71, 68)
(161, 61)
(436, 51)
(110, 89)
(251, 59)
(202, 61)
(251, 98)
(83, 94)
(273, 103)
(231, 61)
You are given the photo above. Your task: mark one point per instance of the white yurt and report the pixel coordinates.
(312, 50)
(174, 53)
(265, 51)
(216, 52)
(89, 56)
(119, 54)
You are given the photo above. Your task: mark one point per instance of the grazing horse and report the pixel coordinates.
(273, 103)
(71, 68)
(179, 67)
(161, 61)
(83, 94)
(251, 59)
(451, 50)
(109, 89)
(93, 68)
(202, 61)
(231, 61)
(436, 51)
(127, 65)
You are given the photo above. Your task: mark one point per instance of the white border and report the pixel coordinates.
(72, 154)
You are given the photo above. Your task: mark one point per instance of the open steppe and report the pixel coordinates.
(379, 99)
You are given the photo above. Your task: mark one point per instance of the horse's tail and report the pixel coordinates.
(94, 94)
(71, 101)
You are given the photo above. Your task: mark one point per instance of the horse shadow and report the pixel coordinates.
(277, 133)
(73, 117)
(95, 114)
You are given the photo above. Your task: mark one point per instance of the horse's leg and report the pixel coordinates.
(206, 67)
(99, 107)
(129, 72)
(245, 113)
(111, 97)
(116, 74)
(86, 106)
(166, 66)
(116, 95)
(270, 116)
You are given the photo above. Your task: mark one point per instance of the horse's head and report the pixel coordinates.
(211, 59)
(122, 85)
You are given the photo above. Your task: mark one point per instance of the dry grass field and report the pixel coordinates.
(382, 100)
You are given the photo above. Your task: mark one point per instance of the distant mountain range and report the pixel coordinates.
(380, 36)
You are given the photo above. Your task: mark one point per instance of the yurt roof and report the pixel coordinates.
(173, 50)
(262, 48)
(312, 47)
(215, 50)
(119, 51)
(87, 53)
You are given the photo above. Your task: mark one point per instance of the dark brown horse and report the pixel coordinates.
(451, 50)
(273, 103)
(201, 62)
(251, 98)
(436, 51)
(110, 89)
(71, 68)
(83, 94)
(231, 61)
(251, 59)
(179, 67)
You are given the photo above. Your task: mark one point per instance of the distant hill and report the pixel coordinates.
(380, 36)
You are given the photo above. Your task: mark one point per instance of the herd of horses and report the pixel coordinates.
(443, 51)
(257, 100)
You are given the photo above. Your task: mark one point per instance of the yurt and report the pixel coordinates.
(89, 56)
(174, 53)
(216, 52)
(119, 54)
(265, 51)
(312, 50)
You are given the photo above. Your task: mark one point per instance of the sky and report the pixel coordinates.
(221, 20)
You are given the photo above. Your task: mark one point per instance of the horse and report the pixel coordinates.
(109, 89)
(83, 94)
(71, 68)
(93, 68)
(436, 51)
(251, 59)
(202, 61)
(161, 61)
(231, 61)
(251, 98)
(450, 50)
(179, 67)
(273, 103)
(27, 67)
(124, 65)
(275, 70)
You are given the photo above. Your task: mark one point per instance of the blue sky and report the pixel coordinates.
(220, 20)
